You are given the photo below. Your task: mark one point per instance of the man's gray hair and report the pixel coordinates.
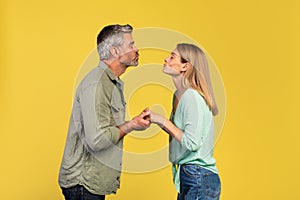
(111, 35)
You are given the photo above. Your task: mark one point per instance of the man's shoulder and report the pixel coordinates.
(92, 78)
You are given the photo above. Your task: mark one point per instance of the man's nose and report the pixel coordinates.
(136, 50)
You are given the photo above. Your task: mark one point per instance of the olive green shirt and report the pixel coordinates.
(93, 150)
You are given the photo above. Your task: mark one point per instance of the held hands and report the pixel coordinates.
(138, 123)
(142, 121)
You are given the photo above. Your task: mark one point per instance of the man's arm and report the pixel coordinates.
(99, 134)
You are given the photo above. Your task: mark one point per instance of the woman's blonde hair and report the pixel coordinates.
(197, 75)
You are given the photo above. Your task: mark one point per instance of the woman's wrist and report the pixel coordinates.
(159, 120)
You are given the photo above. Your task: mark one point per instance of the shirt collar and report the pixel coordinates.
(109, 73)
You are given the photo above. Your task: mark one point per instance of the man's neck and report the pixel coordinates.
(116, 67)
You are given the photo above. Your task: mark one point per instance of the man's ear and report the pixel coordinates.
(114, 51)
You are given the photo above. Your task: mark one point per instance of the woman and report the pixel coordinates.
(191, 126)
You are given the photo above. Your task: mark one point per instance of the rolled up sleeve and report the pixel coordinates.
(100, 132)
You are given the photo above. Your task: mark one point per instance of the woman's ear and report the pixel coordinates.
(185, 66)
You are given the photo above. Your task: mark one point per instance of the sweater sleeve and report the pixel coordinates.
(192, 109)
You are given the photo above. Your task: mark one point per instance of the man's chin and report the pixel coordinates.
(134, 64)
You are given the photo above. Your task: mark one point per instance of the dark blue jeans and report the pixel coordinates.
(78, 192)
(197, 183)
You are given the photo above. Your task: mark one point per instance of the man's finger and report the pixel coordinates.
(143, 114)
(146, 109)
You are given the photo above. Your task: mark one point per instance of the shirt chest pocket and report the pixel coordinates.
(118, 107)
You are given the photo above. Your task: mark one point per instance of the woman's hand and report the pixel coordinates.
(157, 119)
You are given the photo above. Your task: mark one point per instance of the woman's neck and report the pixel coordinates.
(178, 84)
(180, 90)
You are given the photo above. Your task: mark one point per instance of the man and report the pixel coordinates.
(92, 160)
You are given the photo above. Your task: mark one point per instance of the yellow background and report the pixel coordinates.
(254, 44)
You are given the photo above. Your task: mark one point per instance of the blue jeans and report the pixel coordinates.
(197, 183)
(78, 192)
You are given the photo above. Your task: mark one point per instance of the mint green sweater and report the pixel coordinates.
(195, 119)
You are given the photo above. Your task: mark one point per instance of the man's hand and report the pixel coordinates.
(142, 121)
(138, 123)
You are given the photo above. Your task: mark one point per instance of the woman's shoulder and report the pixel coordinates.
(192, 99)
(192, 93)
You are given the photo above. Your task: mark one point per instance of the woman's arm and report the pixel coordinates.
(192, 109)
(166, 125)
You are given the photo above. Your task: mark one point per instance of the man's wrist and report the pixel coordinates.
(127, 127)
(122, 133)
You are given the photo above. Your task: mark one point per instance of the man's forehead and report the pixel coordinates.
(128, 37)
